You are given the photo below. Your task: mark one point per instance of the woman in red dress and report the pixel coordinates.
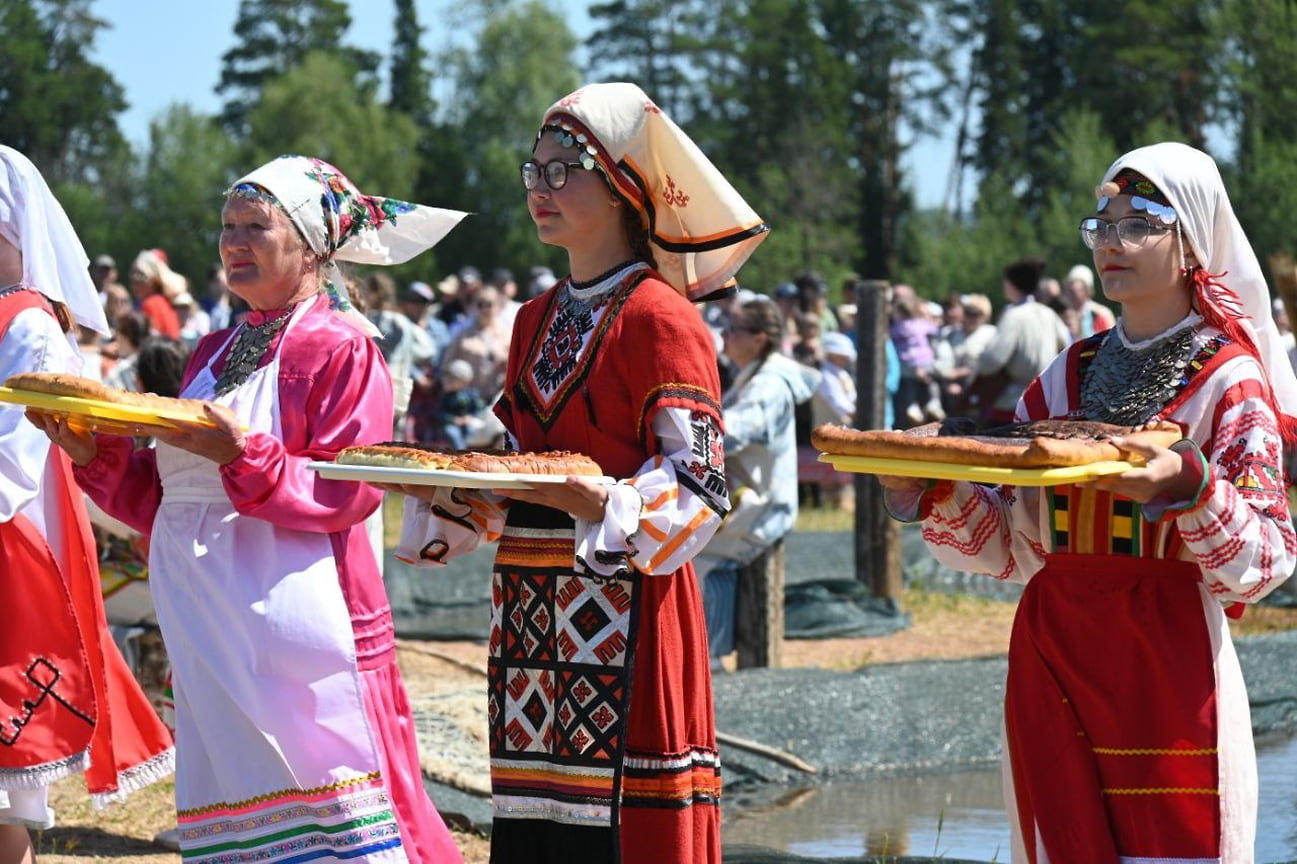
(68, 703)
(603, 744)
(1127, 730)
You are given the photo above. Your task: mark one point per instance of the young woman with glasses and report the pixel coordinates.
(602, 740)
(1126, 719)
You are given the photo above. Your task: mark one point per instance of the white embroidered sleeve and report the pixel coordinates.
(1239, 529)
(980, 529)
(665, 514)
(33, 343)
(454, 523)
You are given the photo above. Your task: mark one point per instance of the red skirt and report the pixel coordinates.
(67, 689)
(1110, 712)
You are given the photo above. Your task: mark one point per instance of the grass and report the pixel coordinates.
(1264, 619)
(825, 519)
(918, 600)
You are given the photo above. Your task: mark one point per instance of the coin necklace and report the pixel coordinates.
(249, 347)
(1127, 385)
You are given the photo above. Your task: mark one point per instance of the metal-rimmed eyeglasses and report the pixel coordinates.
(554, 172)
(1132, 231)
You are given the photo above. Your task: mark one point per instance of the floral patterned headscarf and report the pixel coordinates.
(340, 223)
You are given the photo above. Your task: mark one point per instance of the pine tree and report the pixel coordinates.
(520, 63)
(1259, 108)
(894, 59)
(411, 87)
(1148, 66)
(654, 43)
(776, 125)
(273, 37)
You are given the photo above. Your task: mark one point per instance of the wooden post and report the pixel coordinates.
(877, 536)
(759, 611)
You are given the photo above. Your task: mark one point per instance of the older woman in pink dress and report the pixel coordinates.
(294, 734)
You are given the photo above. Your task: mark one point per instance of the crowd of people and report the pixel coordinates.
(612, 597)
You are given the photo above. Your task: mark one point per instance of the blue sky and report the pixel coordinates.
(164, 51)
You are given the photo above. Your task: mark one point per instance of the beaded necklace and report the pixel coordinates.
(249, 347)
(1129, 384)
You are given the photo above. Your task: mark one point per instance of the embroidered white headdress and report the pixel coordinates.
(340, 223)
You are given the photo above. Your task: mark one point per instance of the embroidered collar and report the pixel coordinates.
(587, 293)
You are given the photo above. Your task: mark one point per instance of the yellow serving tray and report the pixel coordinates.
(102, 416)
(975, 473)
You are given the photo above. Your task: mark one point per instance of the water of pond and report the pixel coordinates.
(961, 815)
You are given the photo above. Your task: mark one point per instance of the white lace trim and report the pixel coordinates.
(134, 779)
(40, 776)
(604, 285)
(1193, 319)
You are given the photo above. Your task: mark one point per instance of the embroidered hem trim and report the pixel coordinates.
(134, 779)
(40, 776)
(353, 822)
(271, 796)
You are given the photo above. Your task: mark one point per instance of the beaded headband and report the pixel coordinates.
(1144, 195)
(568, 137)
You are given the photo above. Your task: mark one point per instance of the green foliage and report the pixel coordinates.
(1261, 68)
(654, 43)
(58, 107)
(1083, 152)
(807, 106)
(522, 64)
(411, 84)
(1265, 197)
(317, 110)
(1033, 62)
(190, 164)
(272, 37)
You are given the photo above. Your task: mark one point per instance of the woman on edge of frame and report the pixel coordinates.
(1127, 730)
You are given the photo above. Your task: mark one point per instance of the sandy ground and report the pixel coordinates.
(450, 674)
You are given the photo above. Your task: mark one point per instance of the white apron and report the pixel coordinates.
(275, 757)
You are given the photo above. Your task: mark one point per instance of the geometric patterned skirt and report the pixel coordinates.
(580, 770)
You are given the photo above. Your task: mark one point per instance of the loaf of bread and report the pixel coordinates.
(1038, 444)
(404, 454)
(60, 384)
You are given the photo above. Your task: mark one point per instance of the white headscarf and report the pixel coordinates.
(340, 223)
(1192, 184)
(54, 261)
(700, 228)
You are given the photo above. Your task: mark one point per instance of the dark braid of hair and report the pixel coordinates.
(638, 235)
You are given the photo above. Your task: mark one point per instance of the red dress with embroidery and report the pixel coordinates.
(65, 691)
(602, 736)
(1126, 718)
